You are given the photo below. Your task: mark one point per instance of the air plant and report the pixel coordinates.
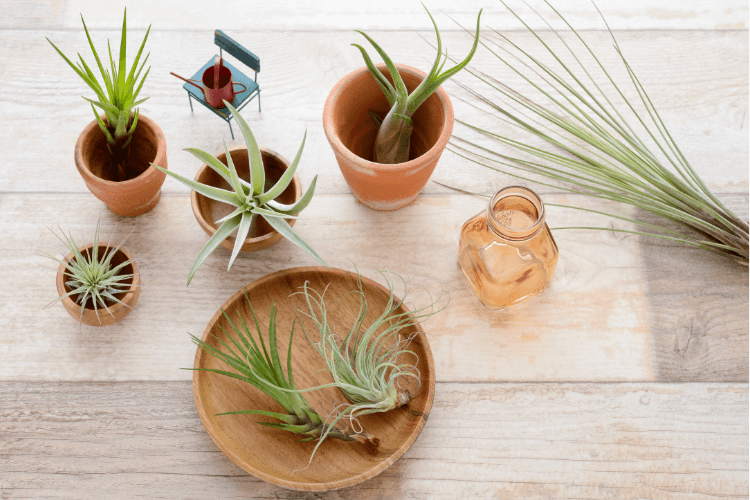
(595, 151)
(261, 367)
(92, 277)
(248, 197)
(372, 360)
(117, 98)
(394, 132)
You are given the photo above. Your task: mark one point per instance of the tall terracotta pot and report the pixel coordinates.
(140, 192)
(351, 131)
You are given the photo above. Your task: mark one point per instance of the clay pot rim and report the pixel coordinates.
(161, 153)
(430, 155)
(114, 309)
(209, 228)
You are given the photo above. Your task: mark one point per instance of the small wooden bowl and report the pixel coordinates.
(271, 454)
(116, 311)
(207, 211)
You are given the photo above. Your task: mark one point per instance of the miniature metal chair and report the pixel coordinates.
(241, 99)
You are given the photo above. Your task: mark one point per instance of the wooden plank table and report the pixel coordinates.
(628, 378)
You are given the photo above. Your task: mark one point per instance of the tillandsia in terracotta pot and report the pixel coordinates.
(388, 126)
(98, 283)
(256, 210)
(114, 152)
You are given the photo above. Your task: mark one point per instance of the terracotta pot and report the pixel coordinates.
(117, 310)
(207, 211)
(351, 131)
(138, 194)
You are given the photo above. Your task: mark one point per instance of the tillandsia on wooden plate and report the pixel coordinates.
(91, 276)
(394, 131)
(248, 197)
(594, 150)
(261, 367)
(121, 88)
(370, 361)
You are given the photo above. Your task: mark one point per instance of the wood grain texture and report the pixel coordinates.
(698, 81)
(393, 15)
(616, 309)
(505, 441)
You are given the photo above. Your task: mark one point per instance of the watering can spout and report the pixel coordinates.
(185, 79)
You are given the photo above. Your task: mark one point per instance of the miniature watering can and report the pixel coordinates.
(217, 84)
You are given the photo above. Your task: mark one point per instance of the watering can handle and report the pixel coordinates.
(243, 87)
(191, 82)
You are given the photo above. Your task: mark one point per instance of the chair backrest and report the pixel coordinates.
(237, 50)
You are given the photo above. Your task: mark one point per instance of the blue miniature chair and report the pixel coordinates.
(241, 99)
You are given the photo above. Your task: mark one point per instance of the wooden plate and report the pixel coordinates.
(274, 455)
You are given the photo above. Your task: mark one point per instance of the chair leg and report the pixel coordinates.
(191, 102)
(230, 129)
(258, 102)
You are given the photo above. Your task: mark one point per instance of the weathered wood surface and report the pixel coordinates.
(624, 441)
(698, 80)
(396, 15)
(620, 307)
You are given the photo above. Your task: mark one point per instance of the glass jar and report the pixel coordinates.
(507, 252)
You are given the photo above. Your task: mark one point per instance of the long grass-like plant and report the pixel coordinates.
(118, 96)
(372, 362)
(91, 277)
(259, 365)
(594, 150)
(394, 131)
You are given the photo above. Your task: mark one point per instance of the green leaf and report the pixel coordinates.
(286, 178)
(401, 91)
(287, 232)
(220, 235)
(417, 98)
(272, 213)
(242, 231)
(207, 191)
(298, 206)
(213, 162)
(233, 176)
(103, 127)
(257, 171)
(382, 81)
(123, 50)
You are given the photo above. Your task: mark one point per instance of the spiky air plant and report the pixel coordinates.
(248, 197)
(394, 132)
(92, 278)
(594, 150)
(372, 360)
(261, 367)
(117, 98)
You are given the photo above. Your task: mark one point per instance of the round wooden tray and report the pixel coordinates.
(274, 455)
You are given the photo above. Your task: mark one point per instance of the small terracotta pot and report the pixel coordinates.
(117, 310)
(136, 195)
(207, 211)
(351, 131)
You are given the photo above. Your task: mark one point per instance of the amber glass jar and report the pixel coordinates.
(507, 251)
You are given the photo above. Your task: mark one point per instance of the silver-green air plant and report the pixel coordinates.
(394, 132)
(371, 364)
(248, 197)
(259, 365)
(91, 277)
(118, 97)
(594, 150)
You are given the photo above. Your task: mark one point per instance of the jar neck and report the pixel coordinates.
(515, 213)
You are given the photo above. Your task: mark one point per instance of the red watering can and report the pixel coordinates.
(217, 84)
